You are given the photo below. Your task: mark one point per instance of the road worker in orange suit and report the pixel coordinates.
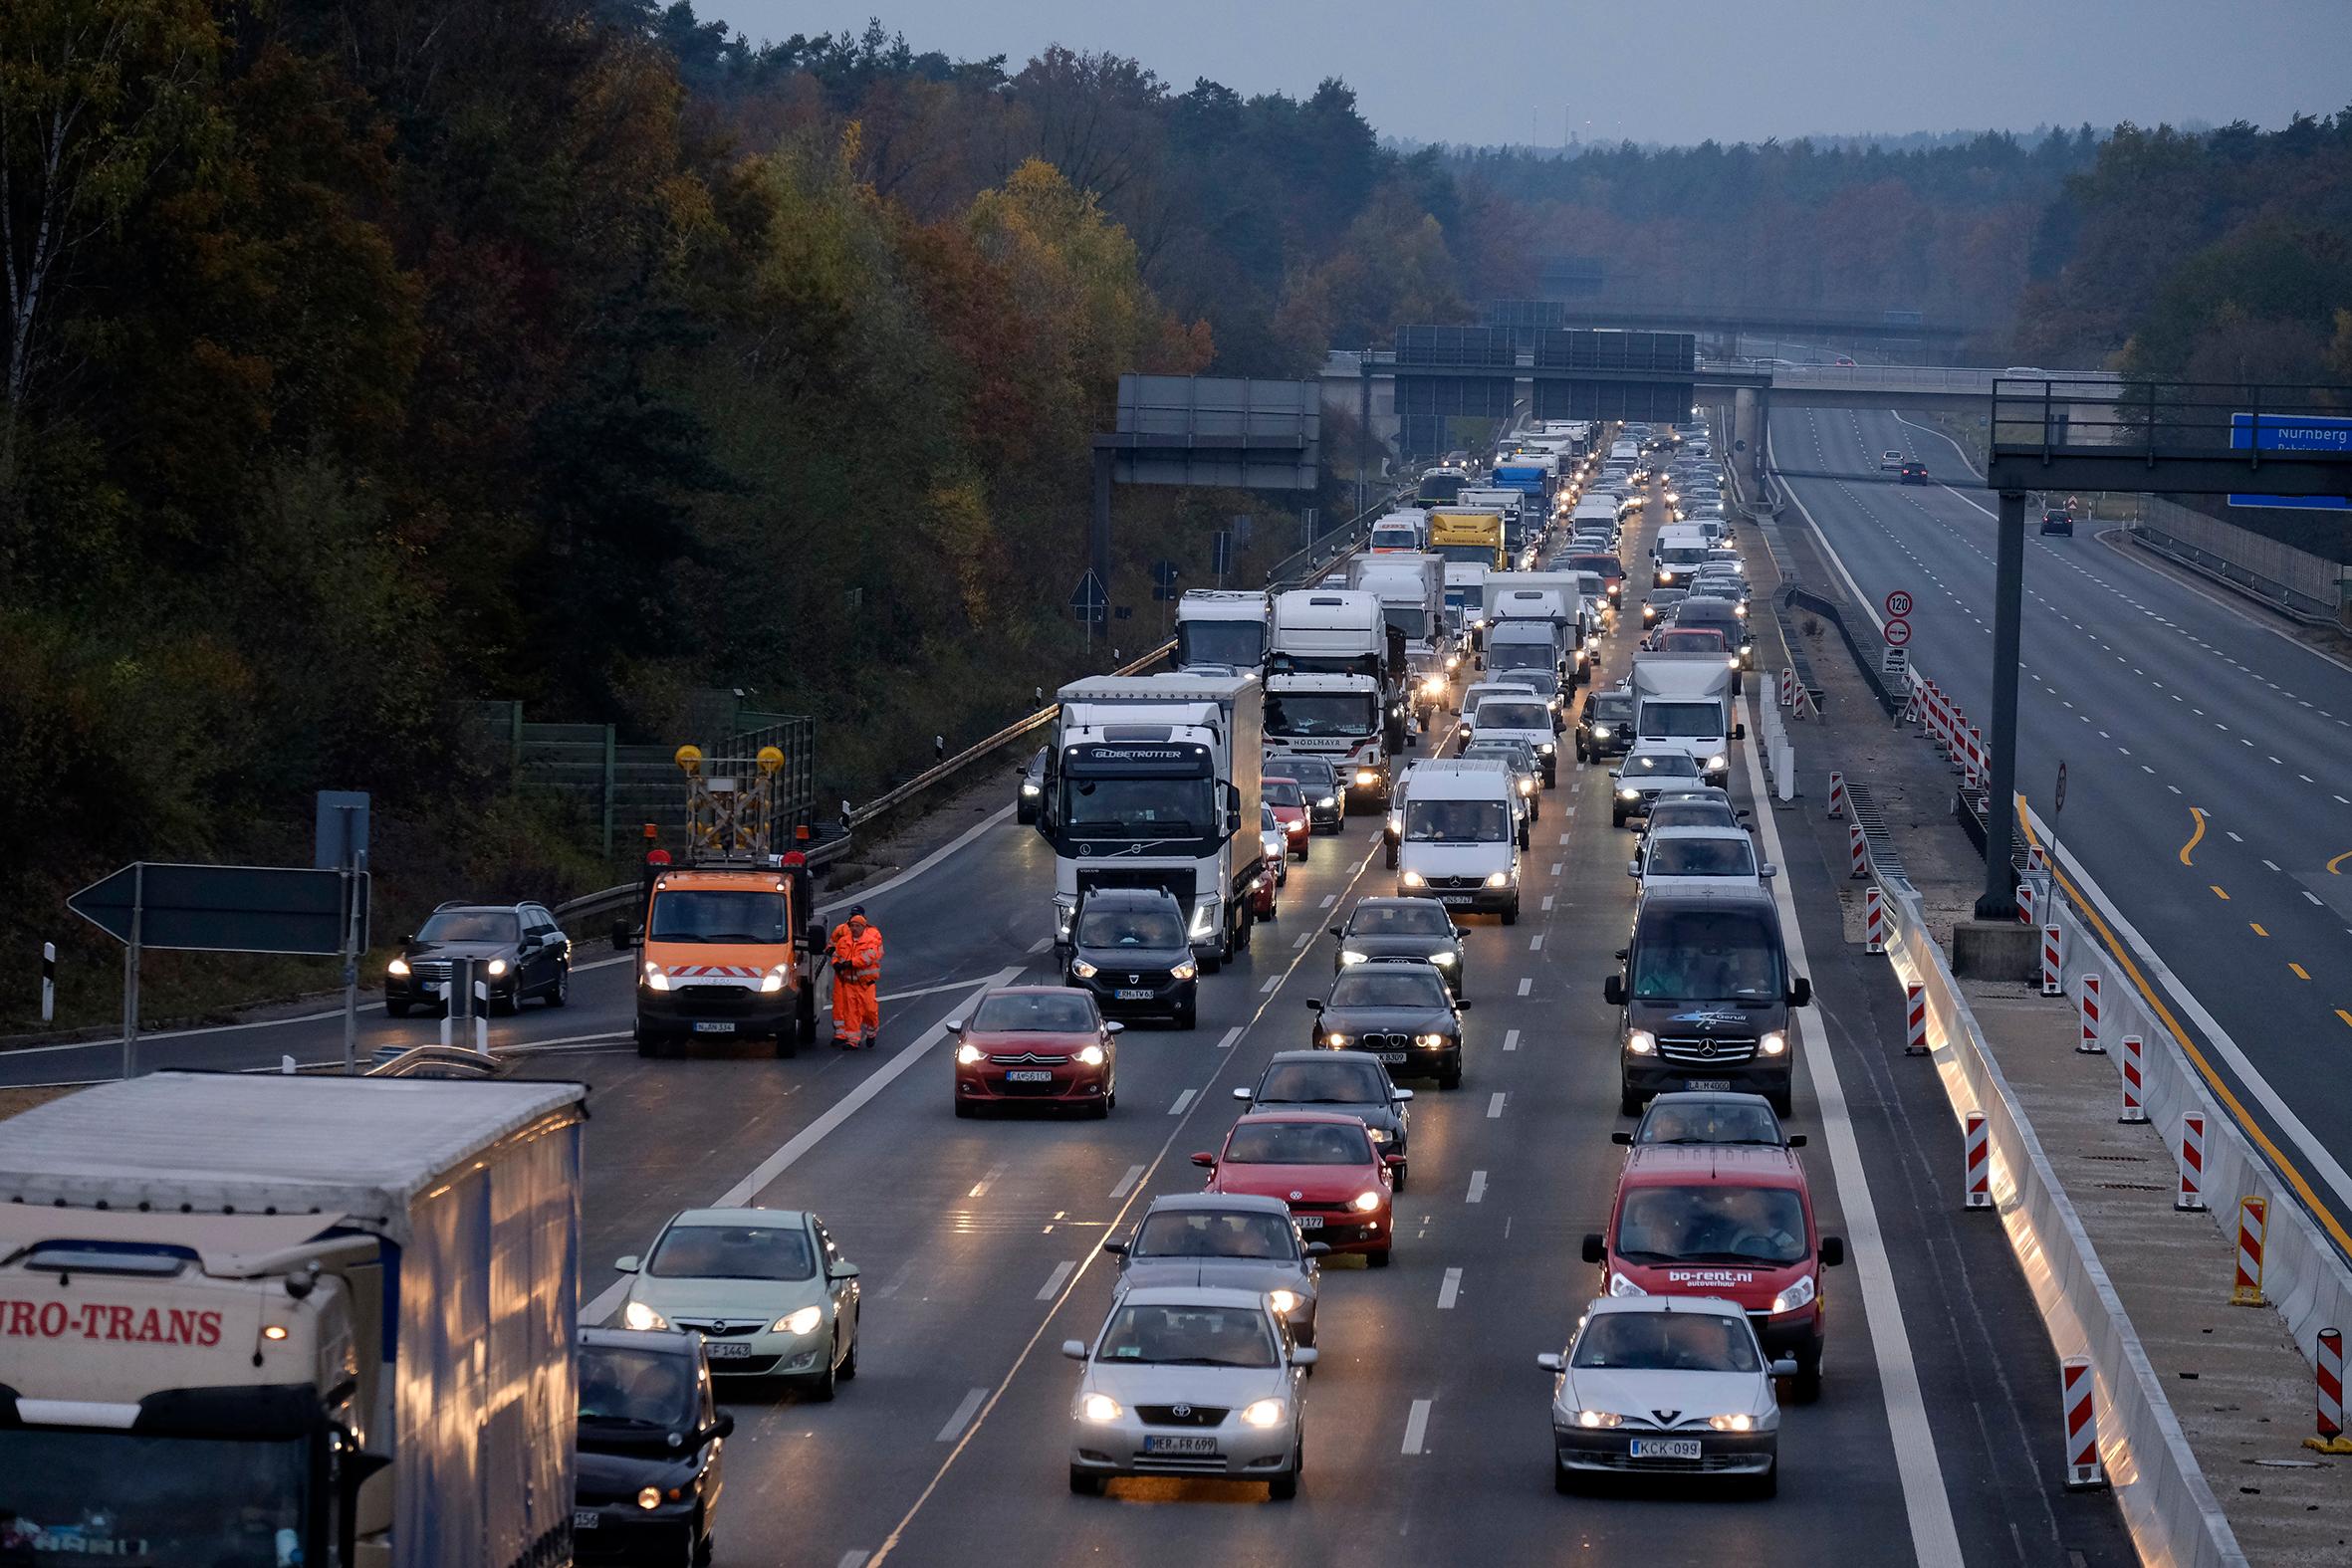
(857, 972)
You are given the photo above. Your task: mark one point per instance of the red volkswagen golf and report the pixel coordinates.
(1035, 1045)
(1323, 1166)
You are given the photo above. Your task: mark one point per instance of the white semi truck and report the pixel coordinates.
(1355, 719)
(1557, 596)
(292, 1319)
(1152, 781)
(1684, 700)
(1220, 628)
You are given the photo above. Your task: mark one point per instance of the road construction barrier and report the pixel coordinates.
(1788, 686)
(2332, 1439)
(2090, 1045)
(1874, 920)
(1915, 1020)
(2134, 1112)
(2025, 906)
(1977, 766)
(2076, 1404)
(1977, 1160)
(1837, 794)
(2054, 973)
(2253, 1218)
(1858, 848)
(2192, 1160)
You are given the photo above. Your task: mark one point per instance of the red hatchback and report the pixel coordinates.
(1035, 1045)
(1727, 1221)
(1289, 804)
(1323, 1166)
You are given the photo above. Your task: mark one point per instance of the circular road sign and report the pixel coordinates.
(1897, 603)
(1898, 633)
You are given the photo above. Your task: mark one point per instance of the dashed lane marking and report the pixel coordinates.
(1055, 1279)
(1510, 1039)
(1495, 1105)
(1182, 1100)
(1416, 1426)
(963, 1415)
(1128, 1182)
(1478, 1188)
(1449, 1288)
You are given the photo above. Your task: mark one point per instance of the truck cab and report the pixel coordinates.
(1220, 628)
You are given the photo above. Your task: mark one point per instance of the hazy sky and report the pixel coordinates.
(1735, 69)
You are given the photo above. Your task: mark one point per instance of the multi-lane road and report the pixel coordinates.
(2209, 757)
(1935, 1439)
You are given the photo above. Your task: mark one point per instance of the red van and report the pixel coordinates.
(1727, 1221)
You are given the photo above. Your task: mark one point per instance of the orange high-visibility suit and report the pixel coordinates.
(858, 971)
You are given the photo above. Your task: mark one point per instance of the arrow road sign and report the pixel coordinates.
(222, 909)
(1897, 603)
(1898, 633)
(1088, 598)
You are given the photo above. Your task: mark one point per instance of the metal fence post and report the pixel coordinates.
(608, 792)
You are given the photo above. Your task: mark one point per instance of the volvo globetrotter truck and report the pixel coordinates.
(1220, 628)
(291, 1319)
(1152, 781)
(1324, 631)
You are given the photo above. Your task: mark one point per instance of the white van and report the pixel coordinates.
(1458, 840)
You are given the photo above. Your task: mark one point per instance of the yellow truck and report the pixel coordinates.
(1473, 538)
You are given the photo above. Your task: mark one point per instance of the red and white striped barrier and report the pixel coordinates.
(2330, 1362)
(1859, 849)
(1915, 1020)
(2253, 1222)
(1976, 767)
(1804, 702)
(1788, 686)
(2054, 982)
(2191, 1193)
(2090, 1045)
(2135, 1110)
(2081, 1417)
(1837, 794)
(1976, 1162)
(2025, 903)
(2037, 859)
(1874, 919)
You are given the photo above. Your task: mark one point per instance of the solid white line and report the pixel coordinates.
(1054, 1280)
(1272, 983)
(1416, 1426)
(1478, 1188)
(1128, 1182)
(919, 867)
(1495, 1105)
(743, 1192)
(1933, 1539)
(1525, 986)
(1182, 1100)
(1448, 1289)
(1231, 1035)
(1510, 1039)
(964, 1410)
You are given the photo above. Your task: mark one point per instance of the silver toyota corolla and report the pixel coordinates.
(1234, 1241)
(1189, 1381)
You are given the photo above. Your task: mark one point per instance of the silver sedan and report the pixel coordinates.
(1665, 1386)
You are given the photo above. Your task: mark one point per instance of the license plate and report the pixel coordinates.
(1707, 1083)
(707, 1027)
(1309, 1221)
(1453, 898)
(1666, 1448)
(1392, 1055)
(727, 1350)
(585, 1518)
(1132, 996)
(1029, 1075)
(1156, 1444)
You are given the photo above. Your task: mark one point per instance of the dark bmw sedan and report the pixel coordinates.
(1399, 1010)
(1128, 948)
(518, 949)
(1406, 928)
(650, 1443)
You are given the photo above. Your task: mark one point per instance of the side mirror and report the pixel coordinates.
(1319, 1250)
(955, 1026)
(1801, 995)
(1833, 1250)
(1205, 1160)
(1550, 1361)
(1786, 1367)
(622, 935)
(1114, 1026)
(627, 1263)
(1623, 954)
(1612, 991)
(1796, 1140)
(812, 939)
(1768, 870)
(722, 1426)
(842, 1271)
(1633, 868)
(1334, 930)
(1314, 1006)
(1621, 1138)
(1739, 732)
(1075, 1349)
(1400, 1096)
(1595, 1250)
(1243, 1095)
(1304, 1356)
(1463, 1004)
(1115, 1248)
(408, 937)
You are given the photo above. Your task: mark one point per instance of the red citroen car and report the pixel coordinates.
(1323, 1166)
(1035, 1045)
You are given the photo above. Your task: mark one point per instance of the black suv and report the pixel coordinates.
(2057, 520)
(1128, 945)
(1398, 1010)
(1605, 727)
(518, 948)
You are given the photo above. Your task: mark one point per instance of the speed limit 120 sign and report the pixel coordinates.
(1898, 633)
(1897, 603)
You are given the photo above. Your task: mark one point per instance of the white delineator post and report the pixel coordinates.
(2134, 1112)
(2091, 1044)
(2081, 1417)
(1915, 1020)
(2192, 1193)
(48, 982)
(2053, 983)
(1976, 1162)
(1874, 919)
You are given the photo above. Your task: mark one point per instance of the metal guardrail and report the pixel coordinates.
(2278, 596)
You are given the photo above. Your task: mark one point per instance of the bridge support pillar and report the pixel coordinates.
(2001, 813)
(1748, 431)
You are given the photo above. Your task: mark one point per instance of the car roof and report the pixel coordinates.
(1321, 1118)
(1715, 1163)
(1697, 831)
(749, 1215)
(1715, 891)
(1391, 961)
(1035, 991)
(1395, 900)
(459, 906)
(1729, 1097)
(659, 1341)
(1703, 1306)
(1229, 1202)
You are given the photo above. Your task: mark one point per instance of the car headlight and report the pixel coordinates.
(638, 1316)
(497, 968)
(1431, 1041)
(1442, 960)
(1453, 661)
(1796, 1295)
(1100, 1407)
(1334, 1039)
(969, 1055)
(1741, 1422)
(1498, 879)
(1599, 1418)
(1600, 731)
(1366, 1202)
(1718, 763)
(655, 979)
(804, 1321)
(1740, 610)
(396, 967)
(1732, 663)
(1283, 1301)
(1629, 793)
(1774, 1044)
(1028, 788)
(1526, 787)
(772, 981)
(1413, 879)
(649, 1497)
(1545, 747)
(1619, 1285)
(1184, 971)
(1091, 1056)
(1351, 956)
(1377, 1134)
(1397, 821)
(1366, 776)
(1433, 685)
(1640, 1043)
(1263, 1413)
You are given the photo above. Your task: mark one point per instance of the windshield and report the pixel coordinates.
(1702, 955)
(733, 1252)
(1659, 764)
(1035, 1012)
(1690, 639)
(1440, 487)
(1521, 655)
(1493, 715)
(1457, 821)
(1322, 712)
(1387, 985)
(1415, 919)
(1610, 710)
(1695, 720)
(1297, 1143)
(1138, 807)
(625, 1385)
(1667, 1342)
(1725, 856)
(470, 925)
(85, 1495)
(1683, 554)
(1323, 1084)
(1602, 566)
(1411, 619)
(1130, 928)
(1188, 1336)
(1692, 814)
(1709, 1121)
(718, 914)
(1763, 1225)
(1282, 792)
(1513, 753)
(1240, 644)
(1401, 538)
(1212, 1232)
(1310, 775)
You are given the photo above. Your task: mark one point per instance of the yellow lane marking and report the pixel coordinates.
(2222, 1090)
(2335, 867)
(2300, 972)
(2193, 836)
(2218, 893)
(2258, 930)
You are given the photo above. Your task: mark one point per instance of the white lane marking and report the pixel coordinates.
(1329, 899)
(853, 1559)
(1478, 1188)
(1510, 1039)
(1525, 986)
(1547, 902)
(743, 1192)
(2234, 839)
(1039, 946)
(1273, 981)
(1571, 810)
(964, 1411)
(2272, 864)
(1054, 1280)
(1231, 1035)
(2313, 897)
(1563, 840)
(1448, 1289)
(1934, 1542)
(1182, 1100)
(1416, 1426)
(1495, 1105)
(1128, 1182)
(1556, 867)
(1536, 943)
(992, 820)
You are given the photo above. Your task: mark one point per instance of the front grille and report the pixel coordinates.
(1309, 1205)
(430, 972)
(1457, 883)
(1705, 1052)
(1028, 1060)
(710, 1328)
(1180, 1464)
(1383, 1042)
(1705, 1462)
(713, 992)
(1192, 1415)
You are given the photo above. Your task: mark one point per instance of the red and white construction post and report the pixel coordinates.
(1915, 1020)
(2330, 1362)
(1976, 1163)
(2091, 1044)
(2135, 1110)
(2081, 1417)
(2253, 1223)
(2191, 1193)
(1787, 685)
(1837, 793)
(1874, 919)
(1859, 849)
(2025, 901)
(2053, 980)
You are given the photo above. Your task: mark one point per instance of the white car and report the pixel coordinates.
(767, 1289)
(1701, 857)
(1889, 461)
(1650, 769)
(1665, 1385)
(1189, 1380)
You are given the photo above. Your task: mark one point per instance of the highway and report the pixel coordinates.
(2207, 790)
(1936, 1440)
